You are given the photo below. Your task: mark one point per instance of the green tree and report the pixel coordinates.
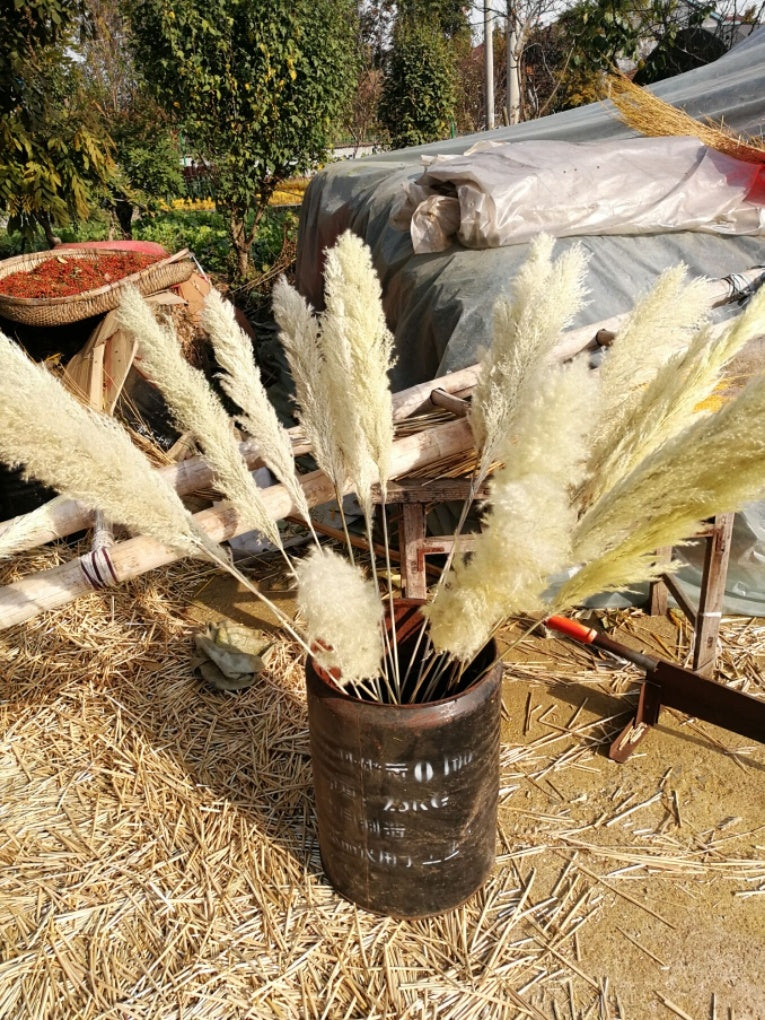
(605, 31)
(418, 97)
(375, 21)
(146, 146)
(451, 16)
(258, 87)
(55, 153)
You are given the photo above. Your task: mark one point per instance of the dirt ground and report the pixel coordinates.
(669, 846)
(159, 861)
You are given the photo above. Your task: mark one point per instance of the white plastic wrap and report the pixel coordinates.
(503, 193)
(439, 306)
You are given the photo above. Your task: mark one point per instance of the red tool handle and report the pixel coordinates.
(677, 687)
(571, 628)
(589, 636)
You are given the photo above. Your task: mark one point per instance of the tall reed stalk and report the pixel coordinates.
(89, 457)
(591, 471)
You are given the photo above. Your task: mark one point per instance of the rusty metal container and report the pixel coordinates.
(406, 795)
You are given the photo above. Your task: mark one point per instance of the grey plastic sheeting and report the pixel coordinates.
(439, 305)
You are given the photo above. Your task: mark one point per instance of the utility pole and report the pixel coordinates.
(513, 67)
(488, 49)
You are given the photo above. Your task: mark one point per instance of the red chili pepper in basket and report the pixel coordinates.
(62, 276)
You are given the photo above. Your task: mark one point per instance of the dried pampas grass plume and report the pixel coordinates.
(713, 466)
(87, 456)
(670, 401)
(300, 337)
(661, 324)
(342, 615)
(546, 296)
(16, 533)
(196, 409)
(358, 348)
(241, 381)
(526, 534)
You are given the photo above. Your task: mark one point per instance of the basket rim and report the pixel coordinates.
(85, 295)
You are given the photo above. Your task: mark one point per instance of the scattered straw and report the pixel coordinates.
(158, 852)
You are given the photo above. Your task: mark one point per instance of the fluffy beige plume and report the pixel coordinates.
(546, 295)
(87, 456)
(342, 615)
(714, 465)
(196, 409)
(669, 402)
(661, 324)
(300, 336)
(241, 381)
(527, 531)
(357, 341)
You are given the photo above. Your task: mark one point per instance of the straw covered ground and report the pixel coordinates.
(159, 860)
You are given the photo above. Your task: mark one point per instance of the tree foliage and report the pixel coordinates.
(565, 61)
(418, 97)
(55, 152)
(147, 151)
(375, 27)
(257, 86)
(451, 16)
(605, 32)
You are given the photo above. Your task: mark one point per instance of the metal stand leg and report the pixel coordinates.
(647, 715)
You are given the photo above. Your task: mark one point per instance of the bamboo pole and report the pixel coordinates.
(62, 517)
(51, 589)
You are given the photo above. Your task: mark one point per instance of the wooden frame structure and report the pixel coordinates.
(706, 617)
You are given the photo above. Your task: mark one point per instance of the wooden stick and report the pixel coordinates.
(65, 517)
(49, 589)
(358, 542)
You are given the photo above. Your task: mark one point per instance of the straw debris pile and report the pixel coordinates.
(158, 856)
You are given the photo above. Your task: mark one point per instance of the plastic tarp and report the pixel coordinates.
(503, 193)
(439, 305)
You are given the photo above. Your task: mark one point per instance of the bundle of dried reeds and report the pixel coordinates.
(651, 116)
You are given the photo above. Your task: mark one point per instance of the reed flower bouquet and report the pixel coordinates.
(589, 472)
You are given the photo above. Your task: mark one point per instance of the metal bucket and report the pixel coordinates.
(406, 795)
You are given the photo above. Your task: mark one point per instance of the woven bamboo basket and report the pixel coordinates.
(58, 311)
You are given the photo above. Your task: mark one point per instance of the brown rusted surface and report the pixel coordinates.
(674, 687)
(406, 795)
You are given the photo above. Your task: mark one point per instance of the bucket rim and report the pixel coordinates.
(328, 688)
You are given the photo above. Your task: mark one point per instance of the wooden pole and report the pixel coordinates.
(64, 517)
(51, 589)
